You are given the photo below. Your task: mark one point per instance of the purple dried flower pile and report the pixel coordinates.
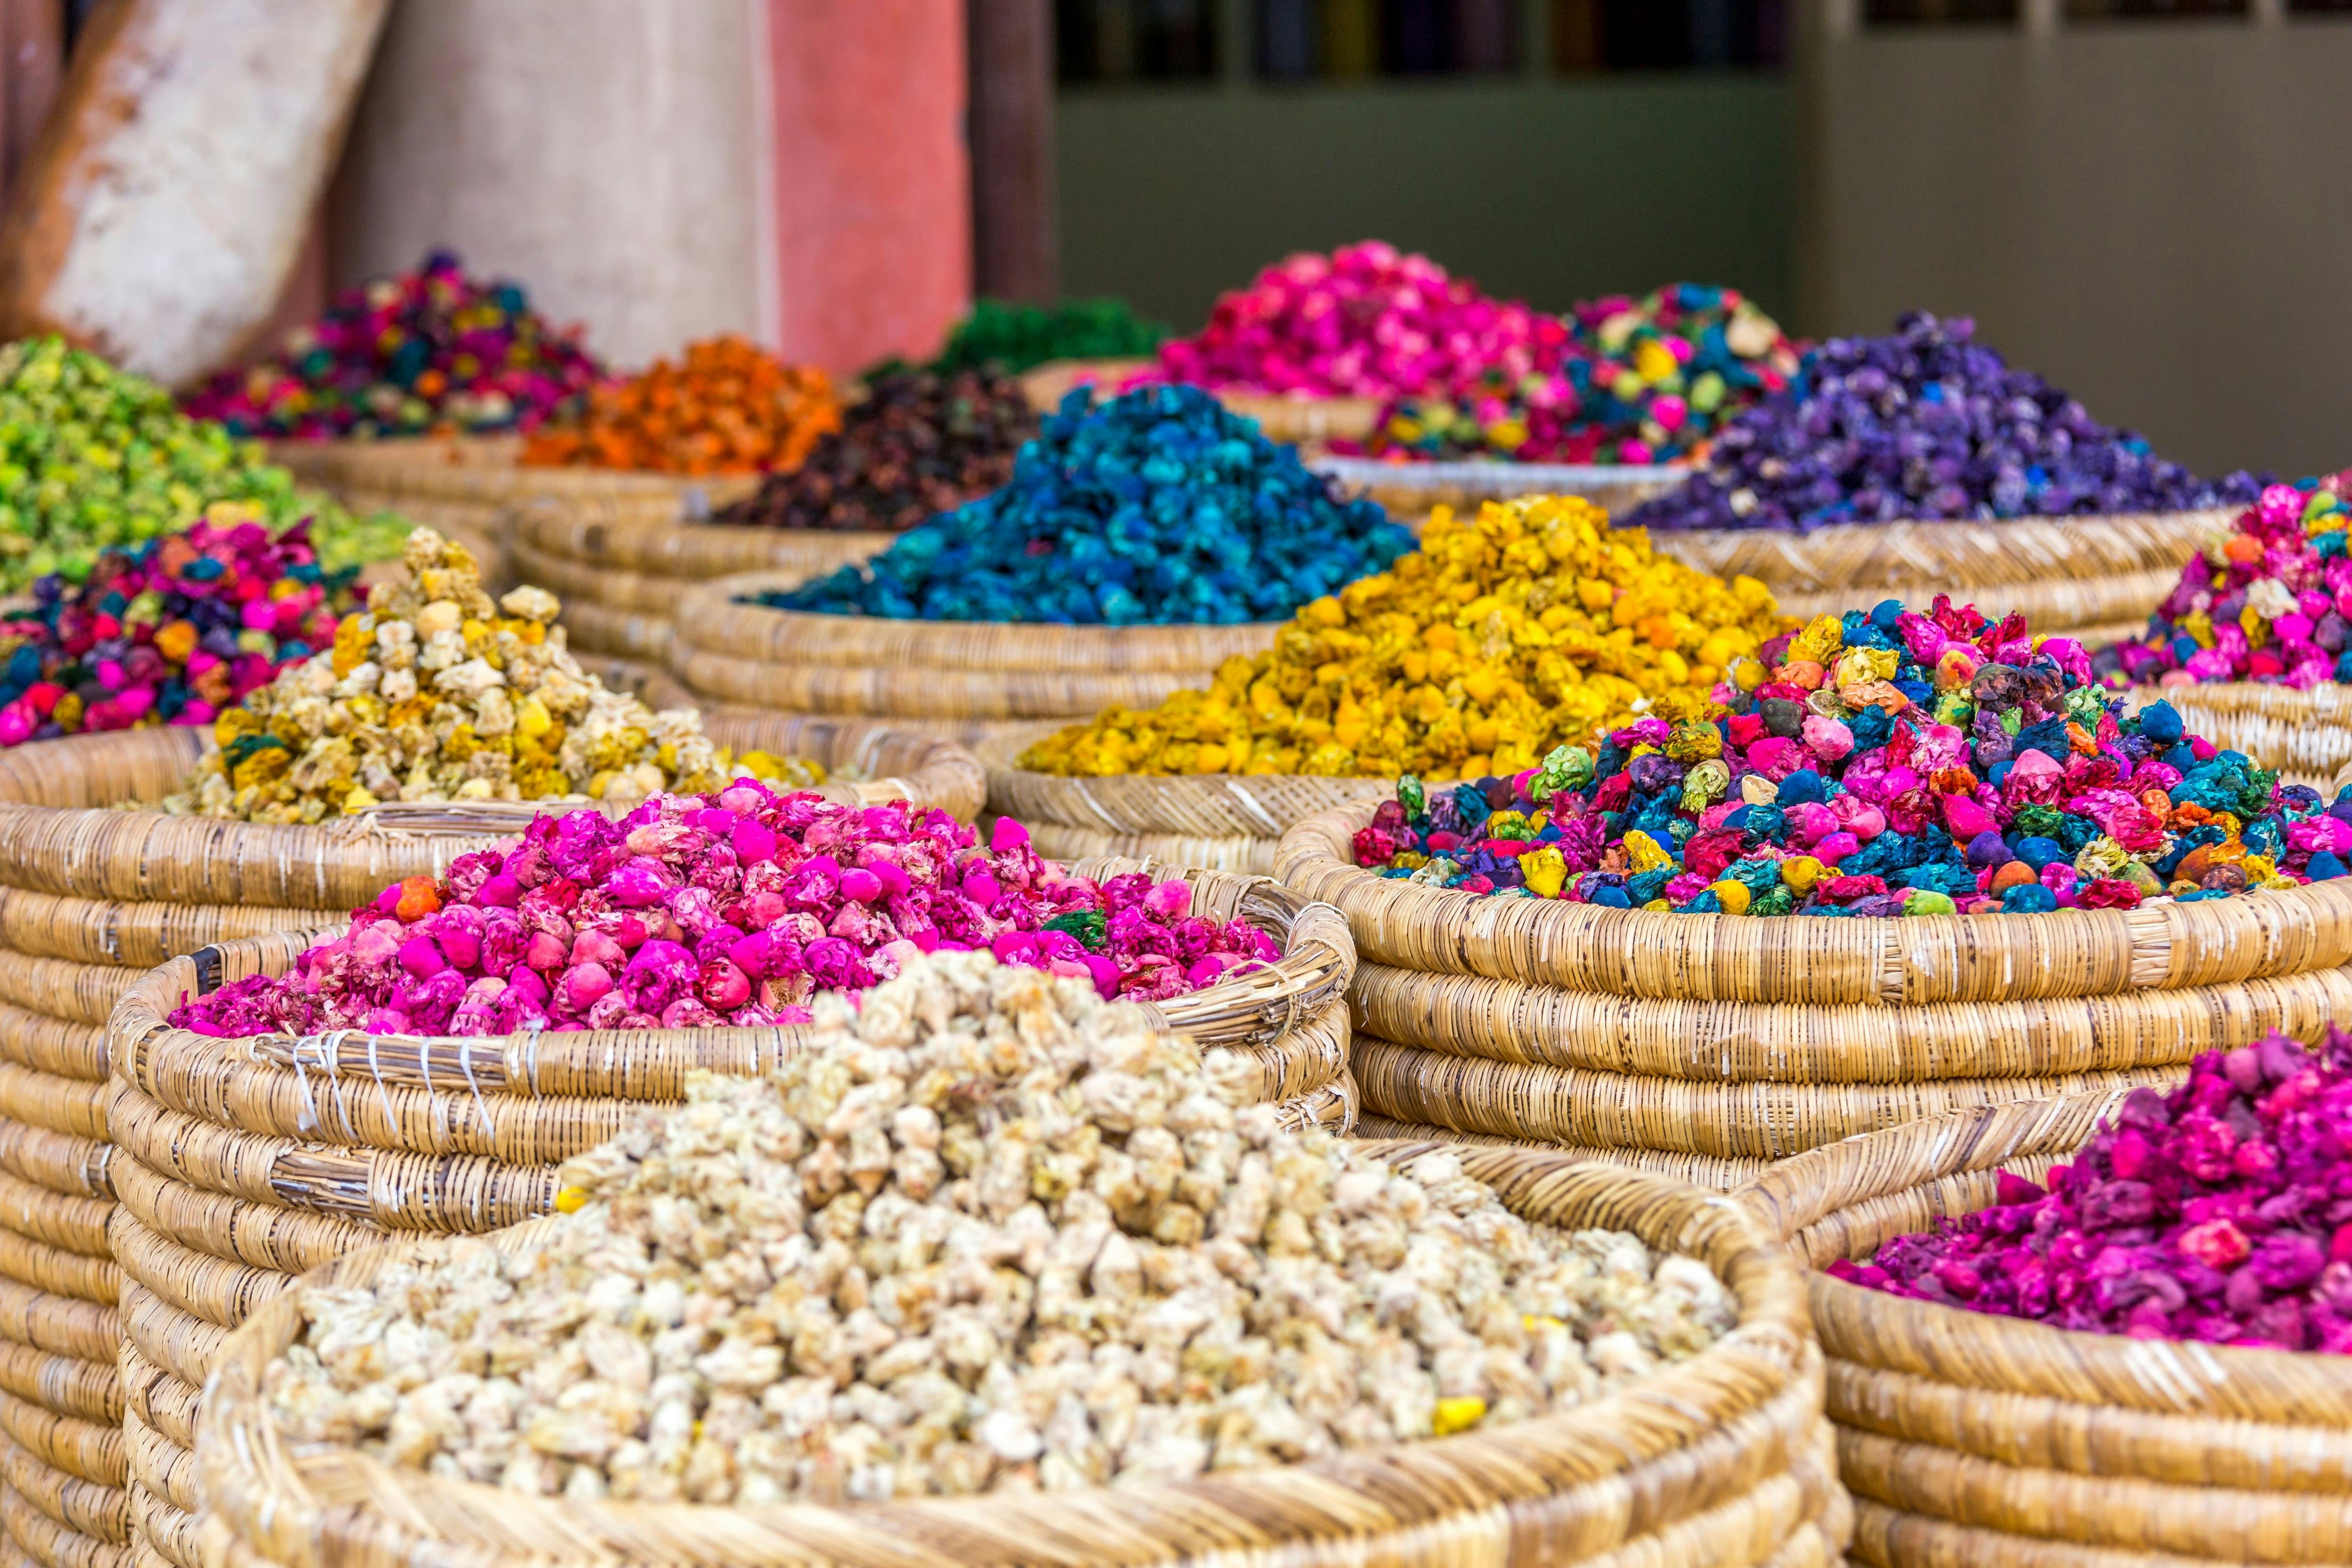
(1924, 423)
(2221, 1212)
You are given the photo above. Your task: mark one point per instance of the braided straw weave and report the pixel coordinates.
(1227, 822)
(991, 678)
(240, 1164)
(1701, 1170)
(468, 487)
(621, 563)
(1721, 1460)
(1732, 1038)
(2305, 736)
(1970, 1440)
(2063, 574)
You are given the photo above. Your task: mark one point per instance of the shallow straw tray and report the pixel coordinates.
(971, 680)
(1720, 1459)
(1283, 418)
(241, 1163)
(90, 899)
(2306, 735)
(1740, 1038)
(1224, 821)
(2096, 577)
(1409, 491)
(621, 564)
(1970, 1440)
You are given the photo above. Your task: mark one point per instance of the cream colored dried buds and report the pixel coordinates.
(990, 1231)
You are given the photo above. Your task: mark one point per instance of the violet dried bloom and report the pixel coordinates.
(2221, 1212)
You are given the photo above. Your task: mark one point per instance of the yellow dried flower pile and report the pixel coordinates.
(436, 692)
(1533, 623)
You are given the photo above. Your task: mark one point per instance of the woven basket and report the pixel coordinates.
(91, 899)
(1700, 1170)
(1282, 418)
(2064, 575)
(1729, 1038)
(240, 1164)
(621, 564)
(1410, 491)
(1974, 1439)
(468, 487)
(973, 680)
(1720, 1459)
(2305, 736)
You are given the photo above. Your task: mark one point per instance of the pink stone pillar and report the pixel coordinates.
(872, 182)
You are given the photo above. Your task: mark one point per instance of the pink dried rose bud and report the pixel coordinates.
(733, 909)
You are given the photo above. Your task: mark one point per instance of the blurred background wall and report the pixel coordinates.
(596, 148)
(2139, 198)
(1552, 149)
(2153, 214)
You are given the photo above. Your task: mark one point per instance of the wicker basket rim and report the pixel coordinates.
(401, 831)
(2185, 519)
(1753, 1369)
(1313, 848)
(1157, 802)
(2248, 695)
(549, 523)
(1532, 479)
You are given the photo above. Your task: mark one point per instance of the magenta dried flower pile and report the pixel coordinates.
(1366, 320)
(727, 909)
(2220, 1213)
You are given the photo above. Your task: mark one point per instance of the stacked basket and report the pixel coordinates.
(91, 898)
(2091, 578)
(1711, 1042)
(467, 488)
(971, 680)
(2305, 736)
(1971, 1439)
(1410, 491)
(621, 565)
(1301, 420)
(242, 1163)
(1719, 1459)
(1227, 822)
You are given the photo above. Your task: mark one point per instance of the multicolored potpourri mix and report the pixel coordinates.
(1887, 763)
(2268, 601)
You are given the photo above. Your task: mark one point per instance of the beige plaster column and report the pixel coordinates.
(610, 155)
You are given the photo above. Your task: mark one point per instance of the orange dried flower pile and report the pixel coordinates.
(730, 407)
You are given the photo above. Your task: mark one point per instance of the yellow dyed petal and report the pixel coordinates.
(1459, 1415)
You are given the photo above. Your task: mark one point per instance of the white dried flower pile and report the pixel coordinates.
(990, 1231)
(438, 692)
